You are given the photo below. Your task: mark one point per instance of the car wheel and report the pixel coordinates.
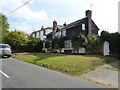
(8, 56)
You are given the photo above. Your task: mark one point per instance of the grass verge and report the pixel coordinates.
(69, 64)
(111, 68)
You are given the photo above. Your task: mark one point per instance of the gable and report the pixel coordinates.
(95, 26)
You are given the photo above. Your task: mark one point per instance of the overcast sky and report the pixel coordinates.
(39, 13)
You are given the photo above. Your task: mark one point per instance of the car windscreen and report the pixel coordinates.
(4, 46)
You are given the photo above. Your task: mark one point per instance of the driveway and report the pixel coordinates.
(18, 74)
(104, 76)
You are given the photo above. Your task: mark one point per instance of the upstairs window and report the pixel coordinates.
(37, 34)
(33, 34)
(83, 26)
(58, 34)
(41, 34)
(64, 33)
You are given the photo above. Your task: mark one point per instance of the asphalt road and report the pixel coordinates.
(18, 74)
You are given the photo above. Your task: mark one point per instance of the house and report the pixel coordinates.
(85, 26)
(42, 33)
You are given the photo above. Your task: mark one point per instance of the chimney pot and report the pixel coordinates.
(42, 28)
(64, 24)
(89, 13)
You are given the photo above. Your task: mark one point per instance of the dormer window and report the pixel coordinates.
(83, 26)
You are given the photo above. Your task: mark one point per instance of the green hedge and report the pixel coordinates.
(114, 41)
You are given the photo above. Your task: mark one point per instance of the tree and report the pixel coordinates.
(78, 41)
(94, 44)
(15, 39)
(55, 43)
(4, 26)
(58, 43)
(35, 44)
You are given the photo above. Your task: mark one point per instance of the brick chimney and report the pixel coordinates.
(89, 16)
(54, 25)
(42, 28)
(64, 24)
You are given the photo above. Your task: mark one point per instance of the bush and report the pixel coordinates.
(94, 45)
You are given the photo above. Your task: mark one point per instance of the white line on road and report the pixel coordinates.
(4, 74)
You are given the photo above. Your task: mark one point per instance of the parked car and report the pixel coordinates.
(5, 50)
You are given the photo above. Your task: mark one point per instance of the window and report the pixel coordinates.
(37, 35)
(64, 33)
(83, 26)
(41, 33)
(58, 34)
(68, 45)
(48, 31)
(33, 34)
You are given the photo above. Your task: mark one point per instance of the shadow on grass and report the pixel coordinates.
(42, 56)
(108, 60)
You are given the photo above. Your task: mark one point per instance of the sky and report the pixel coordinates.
(39, 13)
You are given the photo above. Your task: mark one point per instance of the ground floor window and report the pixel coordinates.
(68, 44)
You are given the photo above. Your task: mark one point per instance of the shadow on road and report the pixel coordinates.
(5, 57)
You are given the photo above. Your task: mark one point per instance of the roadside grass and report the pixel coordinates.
(69, 64)
(111, 68)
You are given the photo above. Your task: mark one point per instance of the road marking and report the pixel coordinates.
(4, 74)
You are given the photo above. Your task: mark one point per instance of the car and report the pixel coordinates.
(5, 50)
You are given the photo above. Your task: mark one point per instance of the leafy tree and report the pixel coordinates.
(4, 26)
(58, 43)
(94, 44)
(78, 41)
(54, 43)
(35, 44)
(16, 38)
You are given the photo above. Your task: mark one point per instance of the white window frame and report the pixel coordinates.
(33, 34)
(64, 33)
(68, 45)
(37, 34)
(83, 26)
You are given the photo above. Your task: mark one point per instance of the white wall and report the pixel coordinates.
(48, 31)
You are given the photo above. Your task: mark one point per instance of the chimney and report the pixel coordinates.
(54, 25)
(89, 16)
(64, 24)
(42, 28)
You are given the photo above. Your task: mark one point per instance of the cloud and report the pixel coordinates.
(21, 26)
(42, 12)
(24, 12)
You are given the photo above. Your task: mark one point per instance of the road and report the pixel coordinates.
(18, 74)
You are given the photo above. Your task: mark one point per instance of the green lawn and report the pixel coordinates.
(70, 64)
